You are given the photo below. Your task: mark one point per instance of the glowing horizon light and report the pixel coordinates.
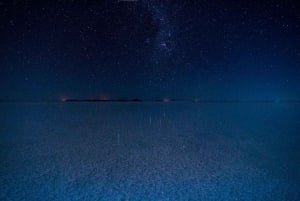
(166, 100)
(63, 99)
(104, 98)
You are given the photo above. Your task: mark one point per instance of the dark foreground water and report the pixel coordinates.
(148, 151)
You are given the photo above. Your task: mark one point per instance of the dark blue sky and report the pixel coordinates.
(214, 49)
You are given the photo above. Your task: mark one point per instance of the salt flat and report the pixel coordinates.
(150, 151)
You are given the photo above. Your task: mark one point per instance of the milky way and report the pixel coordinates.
(164, 40)
(163, 44)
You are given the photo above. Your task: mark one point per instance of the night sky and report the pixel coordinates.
(214, 49)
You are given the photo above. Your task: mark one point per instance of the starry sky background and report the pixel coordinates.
(214, 49)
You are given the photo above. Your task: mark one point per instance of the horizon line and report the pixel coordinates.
(163, 100)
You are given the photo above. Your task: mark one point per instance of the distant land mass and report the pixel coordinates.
(162, 100)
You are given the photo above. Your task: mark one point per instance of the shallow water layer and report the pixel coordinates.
(150, 151)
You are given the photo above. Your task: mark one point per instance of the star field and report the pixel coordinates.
(150, 49)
